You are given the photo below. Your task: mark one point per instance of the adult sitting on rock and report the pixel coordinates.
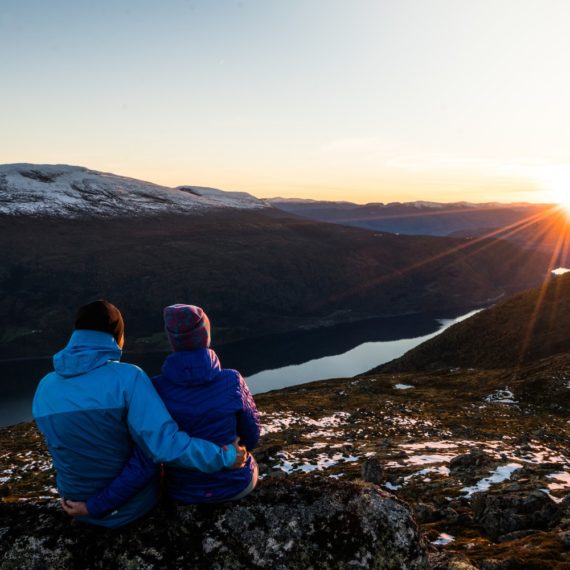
(102, 418)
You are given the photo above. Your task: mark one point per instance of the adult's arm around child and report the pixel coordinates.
(154, 430)
(135, 476)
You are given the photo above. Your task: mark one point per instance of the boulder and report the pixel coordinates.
(501, 514)
(307, 522)
(373, 470)
(565, 538)
(474, 460)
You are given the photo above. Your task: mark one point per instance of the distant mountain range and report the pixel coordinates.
(69, 235)
(521, 330)
(413, 218)
(532, 226)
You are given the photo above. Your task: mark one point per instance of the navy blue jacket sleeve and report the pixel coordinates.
(154, 430)
(248, 422)
(135, 476)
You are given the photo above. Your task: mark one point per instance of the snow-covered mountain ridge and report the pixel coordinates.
(73, 191)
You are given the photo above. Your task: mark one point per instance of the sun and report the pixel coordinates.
(555, 181)
(562, 198)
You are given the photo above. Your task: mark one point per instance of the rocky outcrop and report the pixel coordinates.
(292, 523)
(476, 459)
(373, 471)
(503, 514)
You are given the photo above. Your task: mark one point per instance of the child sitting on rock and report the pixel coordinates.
(208, 402)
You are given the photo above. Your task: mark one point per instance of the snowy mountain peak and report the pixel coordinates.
(72, 191)
(422, 204)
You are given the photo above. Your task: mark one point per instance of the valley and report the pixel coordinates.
(254, 269)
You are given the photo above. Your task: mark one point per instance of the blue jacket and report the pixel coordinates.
(212, 403)
(94, 411)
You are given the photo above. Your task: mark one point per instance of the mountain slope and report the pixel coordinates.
(521, 330)
(256, 270)
(71, 191)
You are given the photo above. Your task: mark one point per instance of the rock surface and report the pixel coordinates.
(506, 513)
(476, 458)
(292, 523)
(504, 506)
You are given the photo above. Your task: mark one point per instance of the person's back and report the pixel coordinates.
(207, 402)
(211, 403)
(80, 408)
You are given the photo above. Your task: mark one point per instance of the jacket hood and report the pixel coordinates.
(192, 367)
(85, 351)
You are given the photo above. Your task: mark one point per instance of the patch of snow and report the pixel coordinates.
(391, 486)
(502, 473)
(403, 386)
(431, 205)
(538, 453)
(318, 445)
(321, 433)
(552, 497)
(504, 396)
(428, 459)
(441, 470)
(335, 420)
(443, 539)
(291, 463)
(430, 445)
(278, 422)
(410, 422)
(563, 477)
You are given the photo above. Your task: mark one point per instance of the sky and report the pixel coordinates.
(361, 100)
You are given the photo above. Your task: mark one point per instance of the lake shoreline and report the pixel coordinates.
(446, 313)
(268, 363)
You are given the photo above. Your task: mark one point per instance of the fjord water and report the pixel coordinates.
(267, 363)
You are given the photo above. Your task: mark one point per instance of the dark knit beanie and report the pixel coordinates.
(187, 327)
(101, 316)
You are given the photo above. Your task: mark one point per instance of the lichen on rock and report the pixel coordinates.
(299, 522)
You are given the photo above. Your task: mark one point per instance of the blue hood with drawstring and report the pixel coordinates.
(86, 351)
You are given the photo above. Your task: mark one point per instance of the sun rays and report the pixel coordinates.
(547, 231)
(548, 222)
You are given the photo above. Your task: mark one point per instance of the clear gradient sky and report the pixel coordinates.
(363, 100)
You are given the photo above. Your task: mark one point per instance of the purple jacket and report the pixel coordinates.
(211, 403)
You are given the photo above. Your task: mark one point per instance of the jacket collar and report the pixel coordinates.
(85, 351)
(192, 367)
